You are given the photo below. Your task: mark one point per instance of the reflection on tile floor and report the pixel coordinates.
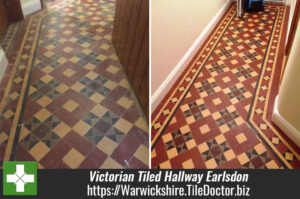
(219, 113)
(66, 101)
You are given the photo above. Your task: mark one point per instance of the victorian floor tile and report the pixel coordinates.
(219, 112)
(65, 99)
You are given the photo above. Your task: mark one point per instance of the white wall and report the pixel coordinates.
(30, 6)
(287, 109)
(3, 63)
(292, 4)
(178, 28)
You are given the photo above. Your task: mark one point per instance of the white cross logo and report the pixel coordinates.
(20, 178)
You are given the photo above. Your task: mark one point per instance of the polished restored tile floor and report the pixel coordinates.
(219, 113)
(65, 99)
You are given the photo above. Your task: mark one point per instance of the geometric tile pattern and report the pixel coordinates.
(224, 100)
(69, 102)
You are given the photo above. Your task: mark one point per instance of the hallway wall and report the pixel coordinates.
(3, 63)
(176, 25)
(289, 95)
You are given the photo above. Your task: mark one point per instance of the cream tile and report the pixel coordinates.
(81, 128)
(172, 153)
(39, 151)
(62, 129)
(77, 86)
(62, 88)
(123, 125)
(96, 97)
(110, 85)
(73, 158)
(165, 165)
(142, 153)
(109, 163)
(99, 110)
(69, 72)
(142, 124)
(189, 164)
(24, 132)
(241, 138)
(44, 101)
(70, 105)
(112, 69)
(204, 129)
(125, 102)
(211, 164)
(42, 115)
(107, 146)
(47, 78)
(3, 137)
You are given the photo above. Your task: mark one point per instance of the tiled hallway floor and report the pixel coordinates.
(218, 115)
(65, 99)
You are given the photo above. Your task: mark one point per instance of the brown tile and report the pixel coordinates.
(23, 155)
(94, 159)
(78, 142)
(57, 103)
(132, 114)
(66, 117)
(102, 126)
(62, 165)
(114, 107)
(139, 135)
(123, 153)
(55, 155)
(117, 93)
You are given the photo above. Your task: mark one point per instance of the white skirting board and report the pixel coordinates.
(3, 64)
(30, 6)
(285, 126)
(167, 84)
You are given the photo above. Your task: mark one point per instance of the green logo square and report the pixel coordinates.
(20, 178)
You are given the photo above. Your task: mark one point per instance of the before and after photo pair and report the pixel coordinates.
(150, 84)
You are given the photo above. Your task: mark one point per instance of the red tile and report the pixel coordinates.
(31, 106)
(57, 103)
(132, 114)
(94, 159)
(117, 93)
(67, 117)
(23, 155)
(79, 143)
(113, 106)
(139, 135)
(54, 157)
(36, 75)
(62, 165)
(125, 151)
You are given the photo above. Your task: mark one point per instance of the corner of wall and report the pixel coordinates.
(284, 125)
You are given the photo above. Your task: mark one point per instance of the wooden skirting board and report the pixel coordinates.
(131, 41)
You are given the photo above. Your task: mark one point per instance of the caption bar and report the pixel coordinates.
(168, 183)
